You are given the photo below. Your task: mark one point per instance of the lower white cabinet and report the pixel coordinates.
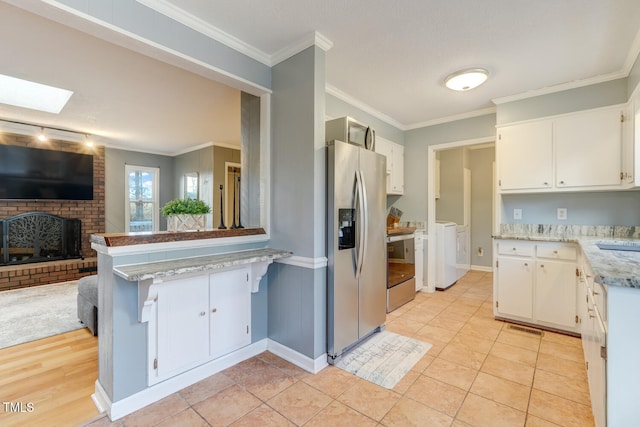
(536, 283)
(198, 319)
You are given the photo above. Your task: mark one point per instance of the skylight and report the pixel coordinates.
(36, 96)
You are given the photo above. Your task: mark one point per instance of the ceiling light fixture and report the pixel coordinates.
(41, 136)
(466, 79)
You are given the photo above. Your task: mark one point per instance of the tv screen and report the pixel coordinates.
(33, 173)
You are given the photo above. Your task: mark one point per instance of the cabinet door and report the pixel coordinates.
(182, 324)
(555, 300)
(397, 173)
(588, 149)
(385, 148)
(525, 156)
(515, 287)
(230, 318)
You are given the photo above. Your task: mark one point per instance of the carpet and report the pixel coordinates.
(384, 359)
(37, 312)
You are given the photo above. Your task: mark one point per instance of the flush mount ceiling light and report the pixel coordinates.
(36, 96)
(466, 79)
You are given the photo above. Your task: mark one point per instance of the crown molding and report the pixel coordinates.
(314, 38)
(332, 90)
(562, 87)
(456, 117)
(197, 24)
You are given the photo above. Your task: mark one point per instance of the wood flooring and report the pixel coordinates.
(49, 382)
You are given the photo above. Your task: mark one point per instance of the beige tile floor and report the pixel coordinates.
(478, 373)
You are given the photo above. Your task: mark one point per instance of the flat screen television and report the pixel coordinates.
(33, 173)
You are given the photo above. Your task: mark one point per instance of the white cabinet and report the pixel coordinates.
(588, 148)
(575, 152)
(198, 319)
(593, 302)
(395, 164)
(230, 303)
(419, 260)
(536, 283)
(182, 325)
(524, 154)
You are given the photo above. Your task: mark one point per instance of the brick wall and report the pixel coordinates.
(90, 212)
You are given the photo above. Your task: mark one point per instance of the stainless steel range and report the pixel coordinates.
(401, 269)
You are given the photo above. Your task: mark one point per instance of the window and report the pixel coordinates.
(141, 206)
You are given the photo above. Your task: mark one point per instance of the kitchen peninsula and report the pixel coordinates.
(175, 308)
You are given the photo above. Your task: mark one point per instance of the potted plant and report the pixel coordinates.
(186, 214)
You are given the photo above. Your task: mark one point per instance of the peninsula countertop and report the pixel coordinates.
(610, 267)
(175, 267)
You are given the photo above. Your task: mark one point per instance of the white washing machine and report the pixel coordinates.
(446, 270)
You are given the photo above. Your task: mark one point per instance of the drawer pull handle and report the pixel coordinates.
(214, 310)
(596, 293)
(541, 265)
(526, 264)
(555, 252)
(203, 313)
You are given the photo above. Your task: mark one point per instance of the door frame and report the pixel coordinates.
(431, 199)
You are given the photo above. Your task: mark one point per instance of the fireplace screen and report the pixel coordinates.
(37, 237)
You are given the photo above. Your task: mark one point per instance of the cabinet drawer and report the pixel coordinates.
(515, 248)
(557, 252)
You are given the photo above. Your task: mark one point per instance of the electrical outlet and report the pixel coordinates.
(562, 213)
(480, 251)
(517, 214)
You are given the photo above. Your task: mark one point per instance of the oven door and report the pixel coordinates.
(401, 263)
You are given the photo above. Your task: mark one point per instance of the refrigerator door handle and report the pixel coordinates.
(365, 222)
(360, 208)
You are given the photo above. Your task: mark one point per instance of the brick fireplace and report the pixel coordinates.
(89, 212)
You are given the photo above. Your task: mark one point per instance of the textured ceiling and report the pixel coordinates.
(390, 56)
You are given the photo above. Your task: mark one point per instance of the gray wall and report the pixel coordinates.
(450, 205)
(115, 161)
(338, 108)
(481, 164)
(417, 141)
(297, 296)
(605, 208)
(582, 98)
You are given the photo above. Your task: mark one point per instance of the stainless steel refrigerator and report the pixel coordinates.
(356, 226)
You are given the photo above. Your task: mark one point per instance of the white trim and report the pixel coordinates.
(310, 365)
(119, 409)
(305, 262)
(561, 87)
(482, 268)
(171, 11)
(314, 38)
(123, 407)
(332, 90)
(456, 117)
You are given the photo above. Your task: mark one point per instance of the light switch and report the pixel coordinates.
(517, 214)
(562, 213)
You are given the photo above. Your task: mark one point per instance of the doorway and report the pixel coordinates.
(480, 227)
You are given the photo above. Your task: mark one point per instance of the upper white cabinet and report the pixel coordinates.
(395, 164)
(588, 149)
(524, 156)
(578, 151)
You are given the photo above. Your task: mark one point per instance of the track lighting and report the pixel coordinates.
(41, 135)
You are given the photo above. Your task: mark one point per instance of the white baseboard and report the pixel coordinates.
(152, 394)
(119, 409)
(310, 365)
(482, 268)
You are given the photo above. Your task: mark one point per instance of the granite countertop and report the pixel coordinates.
(175, 267)
(610, 267)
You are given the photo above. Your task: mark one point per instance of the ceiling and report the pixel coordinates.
(389, 57)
